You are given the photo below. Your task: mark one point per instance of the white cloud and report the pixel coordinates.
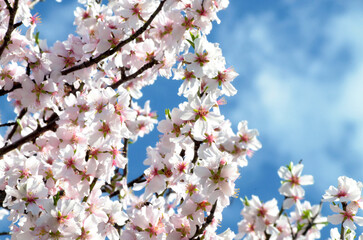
(301, 84)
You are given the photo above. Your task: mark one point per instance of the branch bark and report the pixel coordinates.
(15, 86)
(135, 74)
(111, 51)
(52, 125)
(21, 115)
(205, 224)
(11, 26)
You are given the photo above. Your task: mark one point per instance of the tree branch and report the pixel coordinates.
(7, 124)
(134, 75)
(11, 26)
(93, 183)
(15, 86)
(111, 51)
(311, 222)
(21, 115)
(139, 179)
(205, 224)
(52, 125)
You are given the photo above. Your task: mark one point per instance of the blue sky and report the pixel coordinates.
(300, 85)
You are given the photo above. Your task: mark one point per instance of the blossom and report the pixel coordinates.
(346, 216)
(348, 190)
(292, 179)
(198, 110)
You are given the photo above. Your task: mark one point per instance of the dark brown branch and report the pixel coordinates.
(7, 124)
(195, 158)
(21, 115)
(205, 224)
(11, 26)
(4, 233)
(111, 51)
(52, 125)
(139, 179)
(93, 183)
(134, 75)
(18, 24)
(15, 86)
(311, 222)
(2, 198)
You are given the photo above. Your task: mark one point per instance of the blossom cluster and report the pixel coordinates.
(64, 160)
(267, 221)
(346, 200)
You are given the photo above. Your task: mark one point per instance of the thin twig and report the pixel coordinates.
(20, 116)
(342, 237)
(139, 179)
(111, 51)
(311, 223)
(195, 158)
(11, 26)
(206, 223)
(93, 183)
(7, 124)
(15, 86)
(135, 74)
(52, 125)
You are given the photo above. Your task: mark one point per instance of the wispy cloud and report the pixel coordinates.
(301, 83)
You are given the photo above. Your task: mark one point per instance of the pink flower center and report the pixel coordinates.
(181, 167)
(136, 10)
(188, 75)
(69, 61)
(244, 138)
(295, 180)
(191, 188)
(5, 74)
(202, 113)
(262, 212)
(201, 58)
(25, 173)
(210, 139)
(85, 15)
(188, 23)
(105, 129)
(115, 152)
(35, 19)
(155, 230)
(342, 193)
(69, 162)
(348, 215)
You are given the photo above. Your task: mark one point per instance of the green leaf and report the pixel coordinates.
(19, 123)
(37, 37)
(167, 113)
(191, 43)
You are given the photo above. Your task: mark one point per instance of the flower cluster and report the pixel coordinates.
(64, 161)
(266, 221)
(346, 200)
